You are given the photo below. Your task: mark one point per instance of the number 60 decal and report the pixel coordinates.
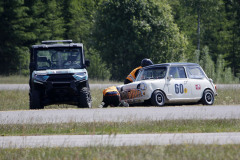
(179, 88)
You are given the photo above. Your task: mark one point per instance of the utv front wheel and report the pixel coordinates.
(35, 100)
(158, 98)
(85, 100)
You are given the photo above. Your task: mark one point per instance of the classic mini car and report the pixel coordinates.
(170, 83)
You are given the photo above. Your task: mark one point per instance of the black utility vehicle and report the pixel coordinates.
(58, 75)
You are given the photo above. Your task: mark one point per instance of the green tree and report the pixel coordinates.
(207, 63)
(48, 23)
(232, 53)
(127, 31)
(203, 22)
(220, 69)
(78, 17)
(98, 69)
(14, 35)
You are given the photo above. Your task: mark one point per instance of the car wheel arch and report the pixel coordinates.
(204, 99)
(207, 89)
(158, 98)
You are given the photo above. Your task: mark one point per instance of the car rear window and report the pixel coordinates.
(195, 72)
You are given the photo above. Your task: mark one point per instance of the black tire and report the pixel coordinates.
(35, 100)
(85, 100)
(158, 98)
(208, 97)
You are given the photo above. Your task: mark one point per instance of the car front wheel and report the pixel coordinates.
(158, 98)
(208, 97)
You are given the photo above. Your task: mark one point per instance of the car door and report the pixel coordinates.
(197, 80)
(177, 84)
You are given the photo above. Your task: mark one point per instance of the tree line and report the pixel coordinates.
(118, 34)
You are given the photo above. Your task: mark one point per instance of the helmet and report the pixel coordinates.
(146, 62)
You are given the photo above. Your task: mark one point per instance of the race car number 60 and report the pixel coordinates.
(179, 88)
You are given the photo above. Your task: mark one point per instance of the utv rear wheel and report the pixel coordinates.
(208, 97)
(35, 100)
(85, 100)
(158, 98)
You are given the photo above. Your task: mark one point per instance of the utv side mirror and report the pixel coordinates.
(87, 63)
(32, 66)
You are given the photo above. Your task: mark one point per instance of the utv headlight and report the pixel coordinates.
(41, 78)
(142, 86)
(80, 76)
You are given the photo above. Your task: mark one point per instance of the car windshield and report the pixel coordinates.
(59, 58)
(152, 73)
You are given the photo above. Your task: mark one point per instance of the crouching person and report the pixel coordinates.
(111, 97)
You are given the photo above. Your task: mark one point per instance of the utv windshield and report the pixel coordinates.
(59, 58)
(152, 73)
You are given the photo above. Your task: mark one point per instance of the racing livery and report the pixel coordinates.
(170, 83)
(58, 75)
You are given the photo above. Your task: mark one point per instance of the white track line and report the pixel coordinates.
(119, 140)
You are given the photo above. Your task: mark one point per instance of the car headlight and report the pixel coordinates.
(41, 78)
(142, 86)
(80, 76)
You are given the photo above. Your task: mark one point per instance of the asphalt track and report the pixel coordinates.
(119, 114)
(119, 140)
(96, 86)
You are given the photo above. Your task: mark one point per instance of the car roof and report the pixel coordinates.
(171, 64)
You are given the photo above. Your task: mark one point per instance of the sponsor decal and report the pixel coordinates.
(198, 87)
(185, 90)
(131, 94)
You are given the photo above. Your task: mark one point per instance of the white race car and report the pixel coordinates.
(170, 83)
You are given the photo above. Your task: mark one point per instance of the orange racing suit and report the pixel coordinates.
(132, 76)
(111, 96)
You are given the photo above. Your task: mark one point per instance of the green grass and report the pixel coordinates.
(147, 152)
(15, 79)
(19, 100)
(100, 128)
(227, 97)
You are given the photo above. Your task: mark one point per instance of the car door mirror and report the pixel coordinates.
(170, 77)
(210, 80)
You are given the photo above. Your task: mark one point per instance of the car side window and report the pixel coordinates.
(177, 72)
(195, 72)
(181, 72)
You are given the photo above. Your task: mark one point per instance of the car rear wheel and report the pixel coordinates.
(208, 97)
(85, 100)
(158, 98)
(35, 100)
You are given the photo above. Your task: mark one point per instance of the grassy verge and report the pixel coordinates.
(98, 128)
(16, 79)
(171, 152)
(19, 100)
